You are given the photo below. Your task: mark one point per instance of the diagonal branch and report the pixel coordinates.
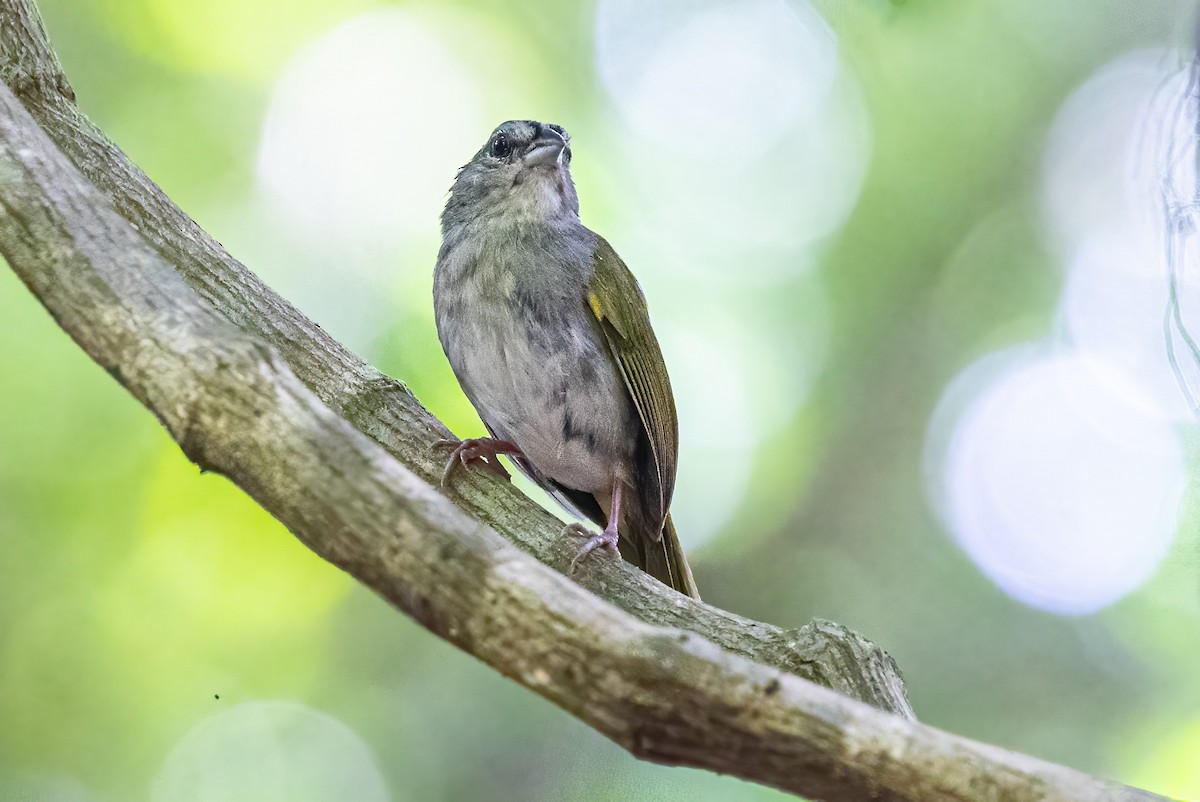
(337, 452)
(384, 409)
(234, 405)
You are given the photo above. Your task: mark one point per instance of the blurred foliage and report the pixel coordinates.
(157, 627)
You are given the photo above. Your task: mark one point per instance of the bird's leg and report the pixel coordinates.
(606, 539)
(482, 452)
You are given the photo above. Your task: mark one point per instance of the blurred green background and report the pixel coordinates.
(908, 261)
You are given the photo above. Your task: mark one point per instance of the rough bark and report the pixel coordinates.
(339, 453)
(383, 408)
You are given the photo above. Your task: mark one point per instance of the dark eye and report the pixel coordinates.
(501, 147)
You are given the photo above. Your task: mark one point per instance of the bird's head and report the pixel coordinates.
(521, 175)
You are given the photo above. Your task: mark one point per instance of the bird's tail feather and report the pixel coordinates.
(663, 559)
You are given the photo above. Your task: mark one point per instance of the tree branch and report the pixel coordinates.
(339, 453)
(385, 410)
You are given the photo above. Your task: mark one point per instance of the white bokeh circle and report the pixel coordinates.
(1119, 184)
(1059, 488)
(659, 61)
(270, 751)
(737, 166)
(365, 128)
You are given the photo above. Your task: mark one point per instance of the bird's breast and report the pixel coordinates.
(539, 374)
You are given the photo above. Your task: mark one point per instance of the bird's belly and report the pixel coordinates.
(569, 462)
(556, 394)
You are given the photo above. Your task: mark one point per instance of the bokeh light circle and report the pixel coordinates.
(1112, 310)
(1061, 490)
(777, 64)
(736, 168)
(270, 751)
(1119, 195)
(340, 148)
(732, 398)
(1095, 176)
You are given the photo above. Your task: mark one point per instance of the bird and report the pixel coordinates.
(548, 334)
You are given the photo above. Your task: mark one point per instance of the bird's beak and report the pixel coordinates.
(546, 149)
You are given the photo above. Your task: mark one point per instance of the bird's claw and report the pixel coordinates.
(481, 452)
(606, 540)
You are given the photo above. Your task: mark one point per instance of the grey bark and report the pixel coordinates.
(382, 407)
(252, 389)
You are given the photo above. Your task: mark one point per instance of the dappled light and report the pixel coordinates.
(1116, 167)
(340, 148)
(771, 140)
(724, 424)
(270, 752)
(778, 61)
(926, 278)
(1054, 480)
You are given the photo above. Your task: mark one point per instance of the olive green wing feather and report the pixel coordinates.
(620, 308)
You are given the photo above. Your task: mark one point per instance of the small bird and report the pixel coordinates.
(548, 334)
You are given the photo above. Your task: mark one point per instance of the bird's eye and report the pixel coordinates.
(501, 147)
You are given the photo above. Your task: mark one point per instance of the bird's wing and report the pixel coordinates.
(616, 300)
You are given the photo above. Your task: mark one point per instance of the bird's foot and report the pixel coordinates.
(605, 540)
(482, 452)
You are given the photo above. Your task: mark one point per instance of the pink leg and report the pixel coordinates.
(481, 452)
(606, 539)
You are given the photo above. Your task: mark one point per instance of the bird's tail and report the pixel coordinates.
(663, 559)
